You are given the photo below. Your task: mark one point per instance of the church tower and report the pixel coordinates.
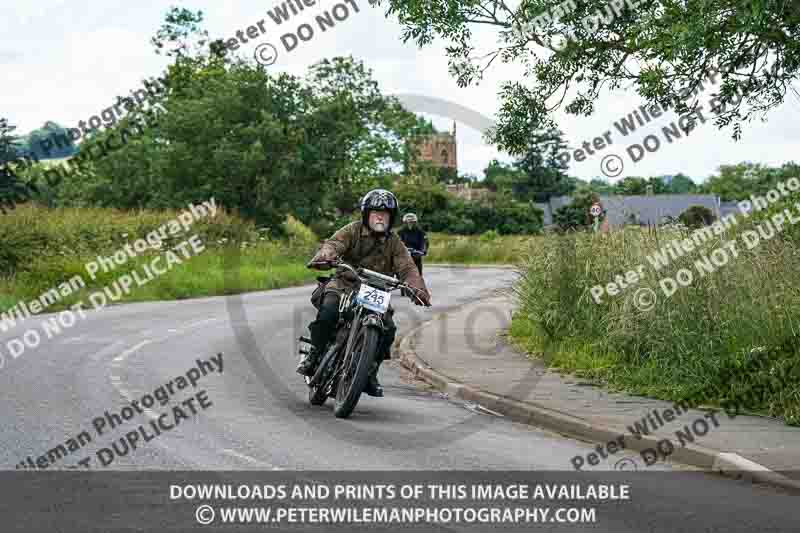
(439, 149)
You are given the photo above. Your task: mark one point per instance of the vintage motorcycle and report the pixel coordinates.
(343, 370)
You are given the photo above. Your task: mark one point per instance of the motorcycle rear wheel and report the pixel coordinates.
(354, 376)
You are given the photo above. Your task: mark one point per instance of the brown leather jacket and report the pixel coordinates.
(357, 246)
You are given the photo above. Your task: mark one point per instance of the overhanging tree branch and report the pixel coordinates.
(684, 39)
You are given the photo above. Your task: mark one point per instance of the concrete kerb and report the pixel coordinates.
(727, 464)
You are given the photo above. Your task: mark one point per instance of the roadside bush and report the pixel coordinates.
(300, 235)
(569, 217)
(489, 236)
(518, 219)
(576, 215)
(697, 216)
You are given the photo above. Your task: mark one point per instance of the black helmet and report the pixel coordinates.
(378, 199)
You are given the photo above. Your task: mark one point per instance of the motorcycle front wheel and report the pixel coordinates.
(356, 372)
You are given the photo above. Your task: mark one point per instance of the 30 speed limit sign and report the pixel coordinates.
(596, 210)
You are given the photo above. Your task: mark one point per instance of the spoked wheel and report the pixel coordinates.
(356, 371)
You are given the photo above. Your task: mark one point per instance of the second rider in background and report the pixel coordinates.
(414, 239)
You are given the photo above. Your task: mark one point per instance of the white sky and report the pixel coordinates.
(67, 61)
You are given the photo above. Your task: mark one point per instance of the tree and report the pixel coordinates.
(499, 176)
(421, 195)
(8, 151)
(442, 212)
(601, 186)
(13, 190)
(738, 182)
(681, 184)
(449, 175)
(262, 144)
(181, 35)
(359, 135)
(51, 141)
(791, 232)
(656, 185)
(631, 185)
(541, 173)
(663, 50)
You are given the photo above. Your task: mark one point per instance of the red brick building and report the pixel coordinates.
(438, 149)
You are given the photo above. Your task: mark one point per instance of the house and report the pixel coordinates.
(466, 192)
(644, 209)
(653, 209)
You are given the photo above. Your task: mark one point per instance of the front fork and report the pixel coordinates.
(362, 319)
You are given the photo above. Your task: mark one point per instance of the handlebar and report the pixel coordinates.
(326, 264)
(361, 272)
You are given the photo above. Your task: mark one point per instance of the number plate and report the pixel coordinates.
(374, 299)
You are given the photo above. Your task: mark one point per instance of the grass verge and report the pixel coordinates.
(41, 248)
(53, 246)
(670, 346)
(488, 248)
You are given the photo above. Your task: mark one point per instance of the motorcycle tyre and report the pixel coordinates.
(346, 400)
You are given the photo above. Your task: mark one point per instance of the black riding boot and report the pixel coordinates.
(374, 388)
(322, 331)
(384, 352)
(308, 366)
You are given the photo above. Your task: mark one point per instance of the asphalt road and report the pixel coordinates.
(254, 415)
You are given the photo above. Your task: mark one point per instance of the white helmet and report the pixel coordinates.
(409, 217)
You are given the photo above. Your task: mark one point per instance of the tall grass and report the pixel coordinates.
(685, 342)
(30, 234)
(488, 248)
(42, 248)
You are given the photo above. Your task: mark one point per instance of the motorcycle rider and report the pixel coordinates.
(413, 237)
(369, 243)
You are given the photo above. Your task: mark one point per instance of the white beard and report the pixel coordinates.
(378, 227)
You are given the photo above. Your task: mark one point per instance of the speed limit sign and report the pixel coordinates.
(596, 210)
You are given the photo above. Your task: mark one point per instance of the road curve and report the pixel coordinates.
(258, 417)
